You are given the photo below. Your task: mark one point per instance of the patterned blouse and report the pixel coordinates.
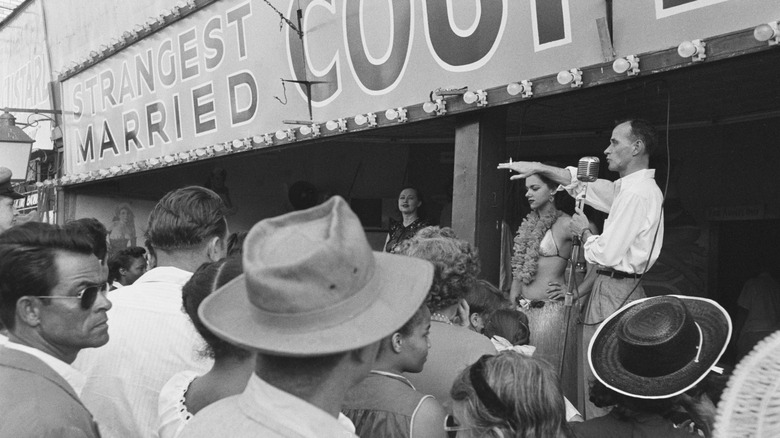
(399, 232)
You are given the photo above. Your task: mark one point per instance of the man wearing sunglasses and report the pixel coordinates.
(53, 303)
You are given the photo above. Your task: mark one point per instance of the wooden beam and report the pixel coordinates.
(478, 187)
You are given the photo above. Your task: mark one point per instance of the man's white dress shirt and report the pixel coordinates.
(150, 340)
(263, 410)
(634, 204)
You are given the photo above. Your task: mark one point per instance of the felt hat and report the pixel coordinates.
(312, 286)
(659, 347)
(5, 184)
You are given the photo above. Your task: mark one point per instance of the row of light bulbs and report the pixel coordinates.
(129, 36)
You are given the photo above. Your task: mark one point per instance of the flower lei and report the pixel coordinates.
(525, 253)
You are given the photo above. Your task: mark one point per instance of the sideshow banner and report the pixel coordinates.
(234, 69)
(24, 71)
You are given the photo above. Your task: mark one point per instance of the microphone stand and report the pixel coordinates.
(569, 297)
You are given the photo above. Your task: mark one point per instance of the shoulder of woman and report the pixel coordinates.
(428, 419)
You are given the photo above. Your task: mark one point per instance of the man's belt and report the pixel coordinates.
(612, 273)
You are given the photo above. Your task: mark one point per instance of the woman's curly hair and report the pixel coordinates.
(456, 264)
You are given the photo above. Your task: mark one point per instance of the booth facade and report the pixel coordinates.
(433, 94)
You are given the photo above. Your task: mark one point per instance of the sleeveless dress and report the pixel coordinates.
(383, 405)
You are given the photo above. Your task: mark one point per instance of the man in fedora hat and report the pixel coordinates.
(7, 198)
(645, 358)
(314, 302)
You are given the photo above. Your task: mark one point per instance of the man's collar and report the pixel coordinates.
(167, 274)
(65, 370)
(639, 175)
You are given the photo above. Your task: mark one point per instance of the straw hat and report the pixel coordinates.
(312, 286)
(750, 405)
(659, 347)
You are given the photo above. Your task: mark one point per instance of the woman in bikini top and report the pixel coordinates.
(547, 280)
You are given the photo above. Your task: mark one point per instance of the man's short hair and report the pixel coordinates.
(95, 231)
(27, 262)
(185, 218)
(641, 129)
(123, 259)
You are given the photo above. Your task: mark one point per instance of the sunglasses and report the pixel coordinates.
(88, 295)
(452, 426)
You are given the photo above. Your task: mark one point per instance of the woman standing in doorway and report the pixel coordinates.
(410, 201)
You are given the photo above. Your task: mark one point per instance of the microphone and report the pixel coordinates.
(587, 172)
(588, 169)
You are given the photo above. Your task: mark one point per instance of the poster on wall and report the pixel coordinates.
(25, 73)
(125, 219)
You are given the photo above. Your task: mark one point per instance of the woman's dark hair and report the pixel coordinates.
(208, 278)
(123, 259)
(484, 298)
(510, 324)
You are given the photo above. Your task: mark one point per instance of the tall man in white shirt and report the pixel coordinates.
(314, 302)
(633, 233)
(53, 302)
(151, 337)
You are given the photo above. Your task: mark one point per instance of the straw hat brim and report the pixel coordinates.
(400, 285)
(750, 405)
(603, 354)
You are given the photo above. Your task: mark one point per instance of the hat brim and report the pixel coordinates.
(400, 283)
(603, 354)
(12, 194)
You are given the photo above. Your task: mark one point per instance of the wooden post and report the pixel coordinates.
(478, 187)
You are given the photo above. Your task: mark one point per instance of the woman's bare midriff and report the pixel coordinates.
(550, 270)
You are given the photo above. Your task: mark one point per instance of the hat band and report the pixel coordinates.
(318, 319)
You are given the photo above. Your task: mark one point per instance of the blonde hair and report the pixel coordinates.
(528, 388)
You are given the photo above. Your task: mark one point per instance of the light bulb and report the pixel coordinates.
(565, 77)
(686, 49)
(305, 130)
(430, 107)
(765, 32)
(391, 114)
(470, 97)
(514, 89)
(280, 135)
(361, 119)
(331, 125)
(621, 65)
